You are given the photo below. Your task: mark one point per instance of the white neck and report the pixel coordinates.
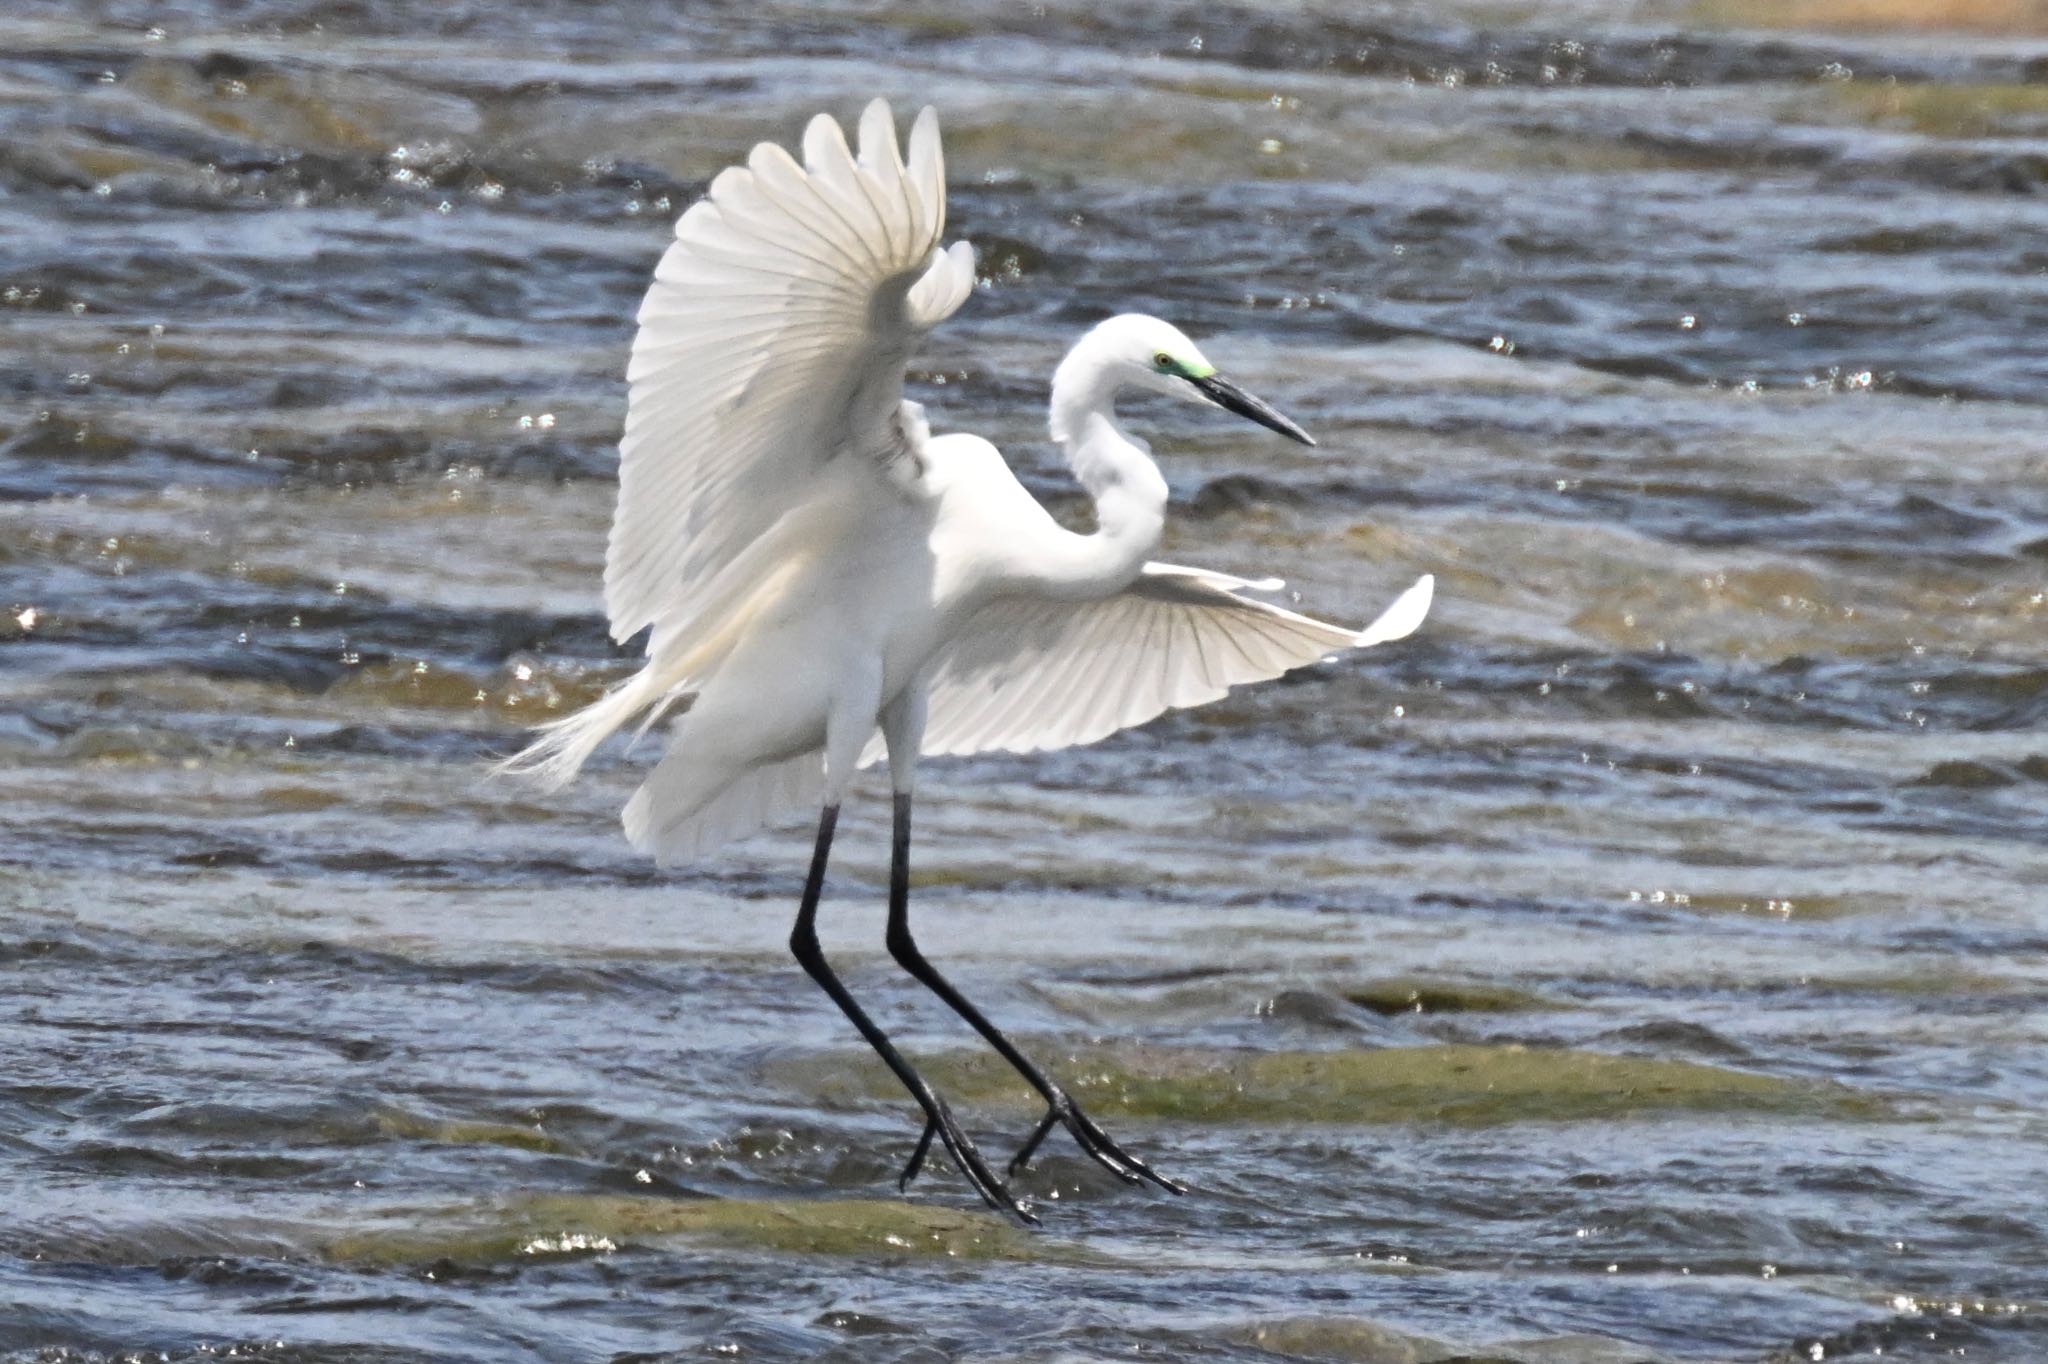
(1129, 493)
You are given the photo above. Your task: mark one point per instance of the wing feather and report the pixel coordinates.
(772, 341)
(1029, 674)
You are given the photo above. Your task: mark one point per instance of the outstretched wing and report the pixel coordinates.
(772, 341)
(1028, 674)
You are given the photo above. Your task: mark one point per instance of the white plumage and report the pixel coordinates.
(1026, 674)
(767, 409)
(824, 583)
(772, 341)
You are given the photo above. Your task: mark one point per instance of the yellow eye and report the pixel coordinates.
(1163, 360)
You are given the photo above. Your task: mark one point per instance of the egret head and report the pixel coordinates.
(1149, 353)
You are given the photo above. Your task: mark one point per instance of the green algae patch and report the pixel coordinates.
(1939, 980)
(397, 1122)
(569, 1224)
(1949, 110)
(1417, 995)
(1804, 905)
(1464, 1084)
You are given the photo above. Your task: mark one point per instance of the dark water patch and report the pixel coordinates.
(314, 1304)
(1407, 995)
(23, 951)
(1903, 694)
(88, 732)
(1968, 816)
(84, 449)
(1931, 1331)
(1875, 524)
(330, 852)
(74, 455)
(324, 963)
(110, 1161)
(1456, 258)
(1252, 494)
(328, 960)
(111, 610)
(1666, 1036)
(1455, 55)
(212, 1271)
(1432, 50)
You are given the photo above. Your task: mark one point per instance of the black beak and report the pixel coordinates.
(1231, 398)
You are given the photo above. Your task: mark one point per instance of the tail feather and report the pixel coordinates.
(685, 809)
(566, 744)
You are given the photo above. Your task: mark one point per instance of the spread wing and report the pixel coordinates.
(771, 342)
(1028, 674)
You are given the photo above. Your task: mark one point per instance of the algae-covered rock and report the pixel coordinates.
(1473, 1085)
(1359, 1340)
(567, 1224)
(1936, 980)
(1352, 1340)
(1950, 110)
(1414, 994)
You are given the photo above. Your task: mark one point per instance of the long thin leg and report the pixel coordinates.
(1060, 1108)
(939, 1121)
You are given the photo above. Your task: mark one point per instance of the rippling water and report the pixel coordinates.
(1648, 960)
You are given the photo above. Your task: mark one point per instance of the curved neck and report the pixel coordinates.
(1117, 471)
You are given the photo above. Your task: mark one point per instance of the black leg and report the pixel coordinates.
(1060, 1108)
(803, 941)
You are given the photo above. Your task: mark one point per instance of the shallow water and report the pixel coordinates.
(1647, 960)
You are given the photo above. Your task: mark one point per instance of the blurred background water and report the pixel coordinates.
(1648, 960)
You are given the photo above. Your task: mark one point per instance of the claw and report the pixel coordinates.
(939, 1123)
(1095, 1143)
(1038, 1134)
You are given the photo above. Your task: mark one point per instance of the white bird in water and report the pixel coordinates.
(826, 584)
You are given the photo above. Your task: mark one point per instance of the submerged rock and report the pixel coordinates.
(570, 1224)
(1360, 1340)
(1469, 1084)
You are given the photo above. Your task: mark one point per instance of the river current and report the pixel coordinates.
(1646, 960)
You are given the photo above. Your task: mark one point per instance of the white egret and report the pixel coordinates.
(826, 584)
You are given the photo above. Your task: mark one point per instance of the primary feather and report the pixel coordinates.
(772, 342)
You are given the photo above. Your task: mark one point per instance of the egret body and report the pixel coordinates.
(826, 584)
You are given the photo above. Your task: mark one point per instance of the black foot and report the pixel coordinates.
(1094, 1142)
(939, 1123)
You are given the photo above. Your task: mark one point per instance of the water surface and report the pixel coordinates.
(1647, 960)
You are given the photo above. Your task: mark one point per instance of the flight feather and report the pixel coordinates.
(1026, 674)
(772, 342)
